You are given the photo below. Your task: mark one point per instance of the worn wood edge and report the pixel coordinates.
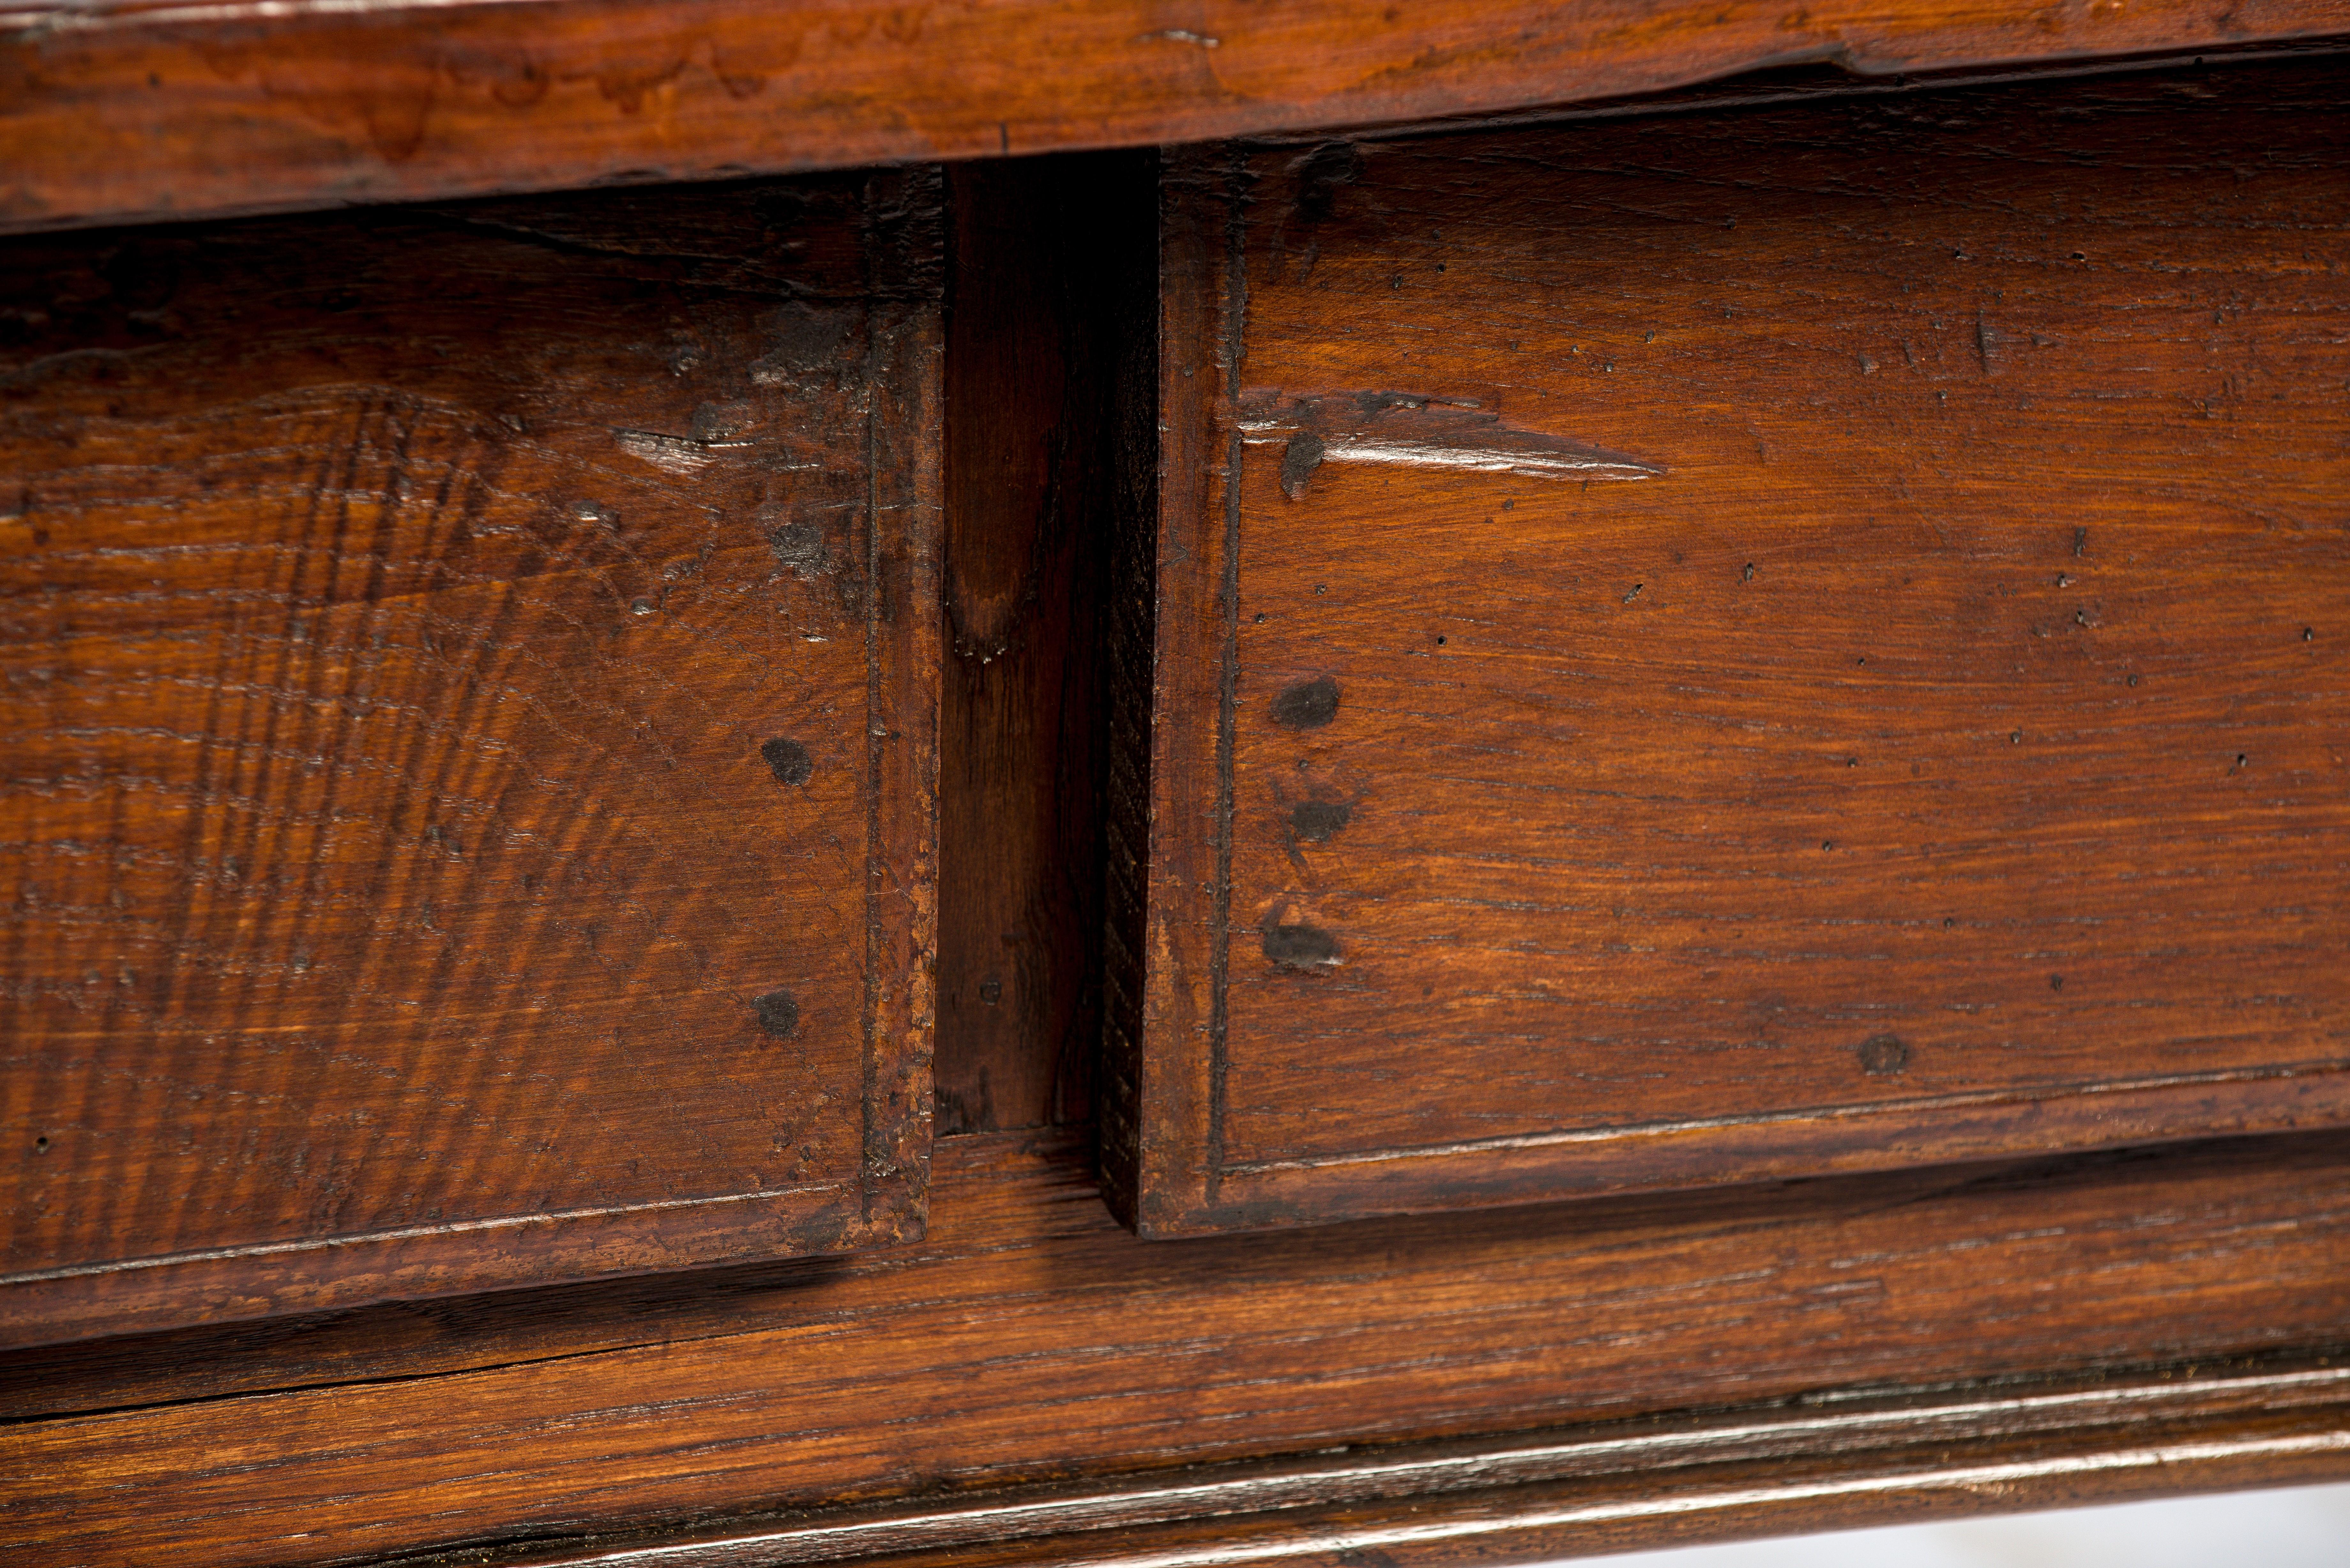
(1044, 1175)
(906, 259)
(1736, 1502)
(1129, 668)
(228, 1284)
(967, 1165)
(318, 1449)
(1542, 1167)
(1807, 82)
(884, 1201)
(125, 113)
(1727, 1472)
(1157, 1156)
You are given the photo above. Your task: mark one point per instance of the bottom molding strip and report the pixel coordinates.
(1842, 1461)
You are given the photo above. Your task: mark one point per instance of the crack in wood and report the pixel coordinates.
(1416, 432)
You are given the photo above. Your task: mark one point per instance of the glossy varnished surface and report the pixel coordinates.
(469, 680)
(1747, 644)
(113, 111)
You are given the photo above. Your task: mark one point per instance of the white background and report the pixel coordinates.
(2305, 1527)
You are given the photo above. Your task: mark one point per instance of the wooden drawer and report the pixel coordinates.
(471, 683)
(1739, 646)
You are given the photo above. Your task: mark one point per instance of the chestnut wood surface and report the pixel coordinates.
(470, 679)
(1746, 645)
(1030, 1338)
(112, 110)
(1031, 1382)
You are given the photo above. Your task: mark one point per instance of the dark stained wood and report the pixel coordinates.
(1053, 288)
(1031, 1339)
(1753, 645)
(471, 683)
(122, 109)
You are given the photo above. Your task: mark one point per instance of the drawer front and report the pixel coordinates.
(1745, 646)
(471, 683)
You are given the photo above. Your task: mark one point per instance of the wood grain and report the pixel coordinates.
(470, 678)
(1055, 271)
(1031, 1339)
(1808, 642)
(1030, 1381)
(1609, 1487)
(112, 110)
